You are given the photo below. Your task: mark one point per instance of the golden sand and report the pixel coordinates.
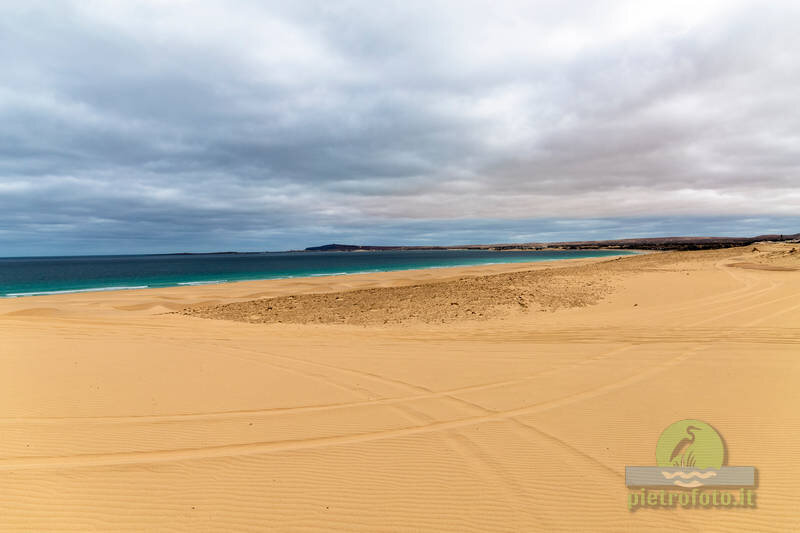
(499, 398)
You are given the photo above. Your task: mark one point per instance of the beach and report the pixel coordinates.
(506, 397)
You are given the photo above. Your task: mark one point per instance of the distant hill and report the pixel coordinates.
(356, 248)
(649, 243)
(334, 248)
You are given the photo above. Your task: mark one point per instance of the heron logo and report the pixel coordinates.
(690, 444)
(690, 454)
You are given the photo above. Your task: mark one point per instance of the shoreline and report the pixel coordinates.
(225, 282)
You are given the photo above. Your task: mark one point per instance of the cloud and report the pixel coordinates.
(214, 125)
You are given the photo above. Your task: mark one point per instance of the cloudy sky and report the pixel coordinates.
(178, 125)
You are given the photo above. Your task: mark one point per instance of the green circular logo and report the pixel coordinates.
(690, 444)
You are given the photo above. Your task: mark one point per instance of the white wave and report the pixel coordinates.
(689, 475)
(192, 283)
(690, 485)
(93, 289)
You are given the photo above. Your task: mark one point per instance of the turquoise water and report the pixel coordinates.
(30, 276)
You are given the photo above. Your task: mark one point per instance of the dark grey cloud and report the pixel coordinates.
(161, 125)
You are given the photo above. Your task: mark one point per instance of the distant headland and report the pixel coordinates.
(652, 243)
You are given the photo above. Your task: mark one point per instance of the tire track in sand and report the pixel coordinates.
(126, 458)
(275, 411)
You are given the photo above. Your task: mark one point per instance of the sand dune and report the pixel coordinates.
(377, 402)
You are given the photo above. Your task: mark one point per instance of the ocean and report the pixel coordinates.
(30, 276)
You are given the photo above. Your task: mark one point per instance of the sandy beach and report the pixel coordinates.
(493, 398)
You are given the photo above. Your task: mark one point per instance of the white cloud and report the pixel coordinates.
(283, 116)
